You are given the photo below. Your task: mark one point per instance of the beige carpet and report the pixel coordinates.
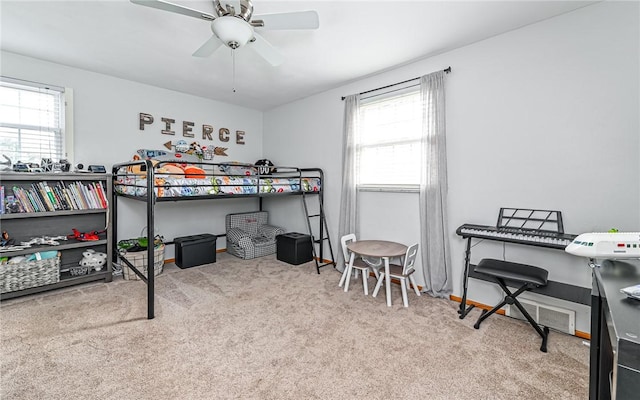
(264, 329)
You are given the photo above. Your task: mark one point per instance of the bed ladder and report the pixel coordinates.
(323, 234)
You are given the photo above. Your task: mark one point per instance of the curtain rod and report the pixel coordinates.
(446, 70)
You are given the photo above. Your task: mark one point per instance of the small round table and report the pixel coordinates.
(377, 248)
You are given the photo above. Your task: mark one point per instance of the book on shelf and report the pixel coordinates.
(69, 196)
(88, 192)
(23, 199)
(57, 192)
(77, 188)
(32, 197)
(73, 193)
(44, 196)
(52, 198)
(47, 197)
(57, 197)
(32, 201)
(95, 197)
(41, 191)
(86, 196)
(44, 200)
(69, 193)
(38, 196)
(101, 194)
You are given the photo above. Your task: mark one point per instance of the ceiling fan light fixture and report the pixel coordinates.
(232, 31)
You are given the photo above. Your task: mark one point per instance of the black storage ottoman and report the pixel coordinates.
(294, 248)
(195, 250)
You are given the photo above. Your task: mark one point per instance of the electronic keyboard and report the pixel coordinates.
(530, 237)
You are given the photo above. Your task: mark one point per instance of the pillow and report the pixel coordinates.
(191, 171)
(237, 169)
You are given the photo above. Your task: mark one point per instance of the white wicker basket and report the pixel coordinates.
(139, 260)
(28, 274)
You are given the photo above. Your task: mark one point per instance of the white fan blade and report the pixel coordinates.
(175, 8)
(208, 47)
(266, 50)
(292, 20)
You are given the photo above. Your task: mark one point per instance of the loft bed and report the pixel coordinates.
(160, 181)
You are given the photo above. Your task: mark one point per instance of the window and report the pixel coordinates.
(388, 141)
(32, 121)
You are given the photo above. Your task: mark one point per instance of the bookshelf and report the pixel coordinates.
(52, 205)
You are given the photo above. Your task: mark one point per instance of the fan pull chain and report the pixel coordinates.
(233, 57)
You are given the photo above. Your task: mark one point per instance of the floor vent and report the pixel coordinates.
(557, 318)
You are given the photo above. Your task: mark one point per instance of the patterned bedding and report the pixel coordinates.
(214, 185)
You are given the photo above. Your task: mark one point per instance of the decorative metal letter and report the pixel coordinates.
(145, 119)
(240, 137)
(223, 135)
(207, 130)
(186, 129)
(168, 121)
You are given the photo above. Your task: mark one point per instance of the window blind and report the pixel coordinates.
(31, 121)
(389, 140)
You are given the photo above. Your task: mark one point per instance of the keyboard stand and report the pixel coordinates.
(543, 227)
(464, 310)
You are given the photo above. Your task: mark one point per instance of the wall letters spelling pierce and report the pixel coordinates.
(187, 129)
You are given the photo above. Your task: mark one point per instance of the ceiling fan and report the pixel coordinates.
(234, 25)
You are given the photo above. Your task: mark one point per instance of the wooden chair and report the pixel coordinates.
(402, 272)
(358, 264)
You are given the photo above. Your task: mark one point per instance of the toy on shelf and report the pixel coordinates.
(7, 243)
(26, 167)
(5, 165)
(44, 240)
(6, 239)
(47, 165)
(85, 236)
(93, 259)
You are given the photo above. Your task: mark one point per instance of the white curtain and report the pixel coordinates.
(436, 259)
(348, 202)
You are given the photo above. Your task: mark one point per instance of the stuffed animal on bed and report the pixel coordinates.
(265, 167)
(140, 169)
(172, 170)
(176, 165)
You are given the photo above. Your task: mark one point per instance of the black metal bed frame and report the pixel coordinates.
(147, 169)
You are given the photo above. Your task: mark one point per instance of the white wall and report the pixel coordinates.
(106, 132)
(542, 117)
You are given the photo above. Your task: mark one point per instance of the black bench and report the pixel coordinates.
(527, 275)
